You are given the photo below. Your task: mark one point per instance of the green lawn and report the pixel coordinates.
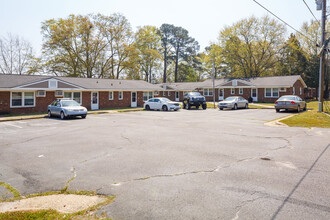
(309, 119)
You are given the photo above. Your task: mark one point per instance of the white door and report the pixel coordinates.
(254, 94)
(134, 99)
(177, 98)
(95, 101)
(221, 94)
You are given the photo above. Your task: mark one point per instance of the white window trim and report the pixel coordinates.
(23, 94)
(223, 92)
(156, 93)
(122, 95)
(50, 81)
(293, 91)
(271, 92)
(282, 90)
(168, 93)
(239, 91)
(208, 92)
(56, 95)
(37, 95)
(148, 96)
(110, 92)
(231, 91)
(300, 91)
(164, 93)
(72, 95)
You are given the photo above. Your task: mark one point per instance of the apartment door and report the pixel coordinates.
(177, 97)
(254, 94)
(95, 100)
(221, 94)
(134, 99)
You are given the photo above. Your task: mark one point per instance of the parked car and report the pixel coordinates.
(290, 102)
(194, 99)
(234, 102)
(161, 103)
(66, 108)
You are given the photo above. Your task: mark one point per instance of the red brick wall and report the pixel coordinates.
(40, 105)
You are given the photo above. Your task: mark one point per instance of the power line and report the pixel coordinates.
(282, 20)
(312, 13)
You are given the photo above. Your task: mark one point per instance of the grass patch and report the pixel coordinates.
(211, 104)
(256, 106)
(53, 214)
(11, 189)
(310, 118)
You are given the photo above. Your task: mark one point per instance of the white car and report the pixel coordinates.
(161, 103)
(234, 102)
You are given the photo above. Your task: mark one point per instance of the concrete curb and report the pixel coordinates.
(277, 123)
(31, 117)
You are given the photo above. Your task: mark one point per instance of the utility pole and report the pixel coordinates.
(213, 85)
(322, 54)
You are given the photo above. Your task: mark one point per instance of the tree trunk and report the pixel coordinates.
(176, 65)
(165, 64)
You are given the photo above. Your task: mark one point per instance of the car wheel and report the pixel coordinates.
(83, 116)
(147, 107)
(246, 106)
(235, 107)
(298, 108)
(188, 106)
(277, 110)
(204, 106)
(197, 106)
(221, 108)
(49, 114)
(305, 107)
(165, 108)
(62, 115)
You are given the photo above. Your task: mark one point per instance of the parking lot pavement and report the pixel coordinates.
(175, 165)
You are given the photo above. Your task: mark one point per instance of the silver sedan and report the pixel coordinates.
(234, 102)
(66, 108)
(290, 102)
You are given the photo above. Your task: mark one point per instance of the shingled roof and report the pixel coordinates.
(11, 81)
(273, 81)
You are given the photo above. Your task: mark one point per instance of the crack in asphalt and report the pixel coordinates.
(245, 203)
(67, 184)
(126, 138)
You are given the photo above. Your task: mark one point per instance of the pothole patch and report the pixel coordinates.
(63, 203)
(264, 158)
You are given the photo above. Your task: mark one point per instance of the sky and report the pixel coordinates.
(204, 19)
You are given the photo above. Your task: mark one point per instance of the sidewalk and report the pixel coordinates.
(39, 116)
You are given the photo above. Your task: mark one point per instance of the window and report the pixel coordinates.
(282, 89)
(185, 93)
(169, 93)
(293, 91)
(22, 99)
(164, 93)
(41, 93)
(271, 92)
(110, 95)
(147, 95)
(208, 92)
(52, 83)
(58, 93)
(221, 92)
(73, 95)
(300, 91)
(156, 93)
(232, 91)
(120, 95)
(240, 91)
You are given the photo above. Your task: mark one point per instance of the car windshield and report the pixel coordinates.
(230, 99)
(194, 93)
(69, 103)
(165, 100)
(290, 98)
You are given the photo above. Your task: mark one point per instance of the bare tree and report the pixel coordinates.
(15, 55)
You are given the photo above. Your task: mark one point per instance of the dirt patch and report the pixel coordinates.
(62, 203)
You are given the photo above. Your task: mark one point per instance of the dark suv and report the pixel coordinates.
(194, 99)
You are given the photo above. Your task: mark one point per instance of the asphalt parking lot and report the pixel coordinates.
(175, 165)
